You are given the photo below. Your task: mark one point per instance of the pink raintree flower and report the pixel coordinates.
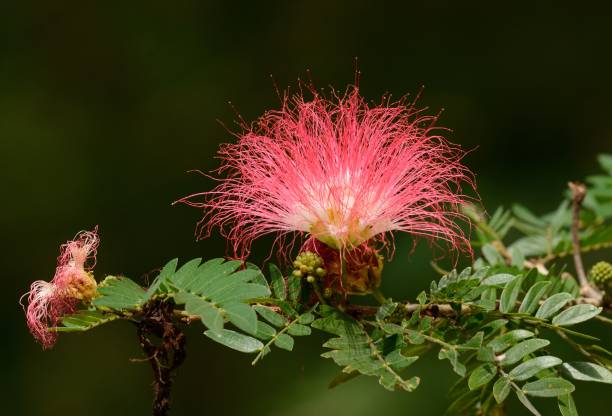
(339, 171)
(72, 283)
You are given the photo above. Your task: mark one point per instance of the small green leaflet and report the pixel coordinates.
(532, 298)
(585, 371)
(482, 375)
(284, 341)
(235, 340)
(576, 314)
(209, 314)
(525, 401)
(517, 352)
(501, 342)
(567, 407)
(241, 315)
(120, 293)
(510, 294)
(501, 389)
(532, 367)
(548, 387)
(498, 279)
(355, 350)
(159, 285)
(84, 321)
(279, 288)
(553, 304)
(286, 328)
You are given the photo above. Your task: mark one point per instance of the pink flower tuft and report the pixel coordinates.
(339, 170)
(46, 306)
(77, 257)
(49, 301)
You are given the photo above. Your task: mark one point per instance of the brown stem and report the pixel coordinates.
(164, 346)
(578, 194)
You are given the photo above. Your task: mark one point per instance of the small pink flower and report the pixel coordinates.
(73, 282)
(339, 170)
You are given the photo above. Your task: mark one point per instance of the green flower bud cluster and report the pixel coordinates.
(310, 265)
(601, 275)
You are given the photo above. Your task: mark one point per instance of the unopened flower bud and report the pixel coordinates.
(601, 275)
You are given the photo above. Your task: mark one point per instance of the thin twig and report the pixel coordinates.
(578, 194)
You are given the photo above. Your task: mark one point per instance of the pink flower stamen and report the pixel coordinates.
(339, 170)
(72, 282)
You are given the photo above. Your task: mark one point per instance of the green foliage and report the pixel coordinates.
(494, 322)
(85, 320)
(357, 350)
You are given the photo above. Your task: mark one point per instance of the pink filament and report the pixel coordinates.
(354, 167)
(49, 301)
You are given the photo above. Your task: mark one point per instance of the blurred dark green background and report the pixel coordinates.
(104, 106)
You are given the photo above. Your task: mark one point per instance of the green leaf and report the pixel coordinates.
(482, 375)
(158, 284)
(525, 401)
(453, 356)
(398, 361)
(186, 272)
(264, 331)
(501, 389)
(516, 353)
(238, 292)
(209, 314)
(284, 342)
(501, 342)
(206, 277)
(532, 367)
(385, 310)
(585, 371)
(422, 298)
(356, 350)
(552, 305)
(485, 354)
(298, 330)
(524, 214)
(120, 293)
(84, 321)
(306, 318)
(498, 279)
(567, 407)
(337, 324)
(269, 315)
(605, 161)
(258, 277)
(234, 340)
(294, 286)
(576, 314)
(548, 387)
(475, 342)
(532, 298)
(517, 256)
(241, 315)
(488, 299)
(510, 294)
(492, 255)
(277, 282)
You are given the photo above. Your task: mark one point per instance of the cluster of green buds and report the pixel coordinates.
(601, 275)
(309, 265)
